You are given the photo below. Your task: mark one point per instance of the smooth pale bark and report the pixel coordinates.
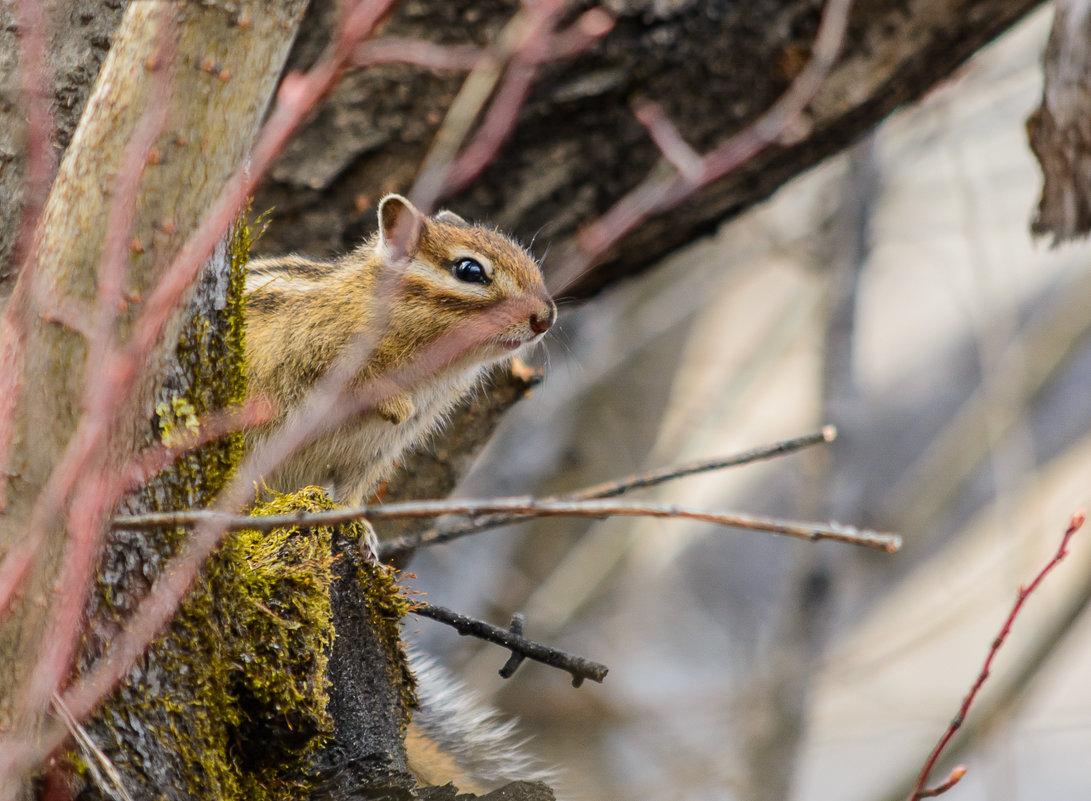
(224, 64)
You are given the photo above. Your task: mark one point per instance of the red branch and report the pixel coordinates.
(297, 95)
(39, 167)
(402, 50)
(657, 195)
(919, 790)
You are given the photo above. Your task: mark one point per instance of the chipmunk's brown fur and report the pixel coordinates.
(428, 335)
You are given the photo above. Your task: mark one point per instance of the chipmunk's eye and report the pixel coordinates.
(470, 271)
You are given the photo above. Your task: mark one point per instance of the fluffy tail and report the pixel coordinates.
(456, 738)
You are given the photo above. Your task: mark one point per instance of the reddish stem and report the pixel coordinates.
(919, 790)
(659, 195)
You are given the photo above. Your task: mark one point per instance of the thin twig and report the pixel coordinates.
(518, 621)
(33, 70)
(106, 776)
(538, 48)
(667, 138)
(402, 50)
(446, 533)
(577, 666)
(499, 83)
(919, 790)
(519, 505)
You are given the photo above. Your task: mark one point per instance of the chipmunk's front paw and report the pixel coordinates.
(397, 409)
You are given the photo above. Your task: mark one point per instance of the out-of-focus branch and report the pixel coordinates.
(505, 75)
(401, 50)
(38, 168)
(919, 790)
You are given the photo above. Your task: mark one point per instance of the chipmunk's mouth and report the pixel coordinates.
(512, 344)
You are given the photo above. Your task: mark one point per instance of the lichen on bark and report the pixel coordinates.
(231, 699)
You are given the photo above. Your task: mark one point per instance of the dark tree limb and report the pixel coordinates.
(712, 67)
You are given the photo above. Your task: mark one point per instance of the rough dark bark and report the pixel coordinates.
(77, 43)
(368, 709)
(577, 148)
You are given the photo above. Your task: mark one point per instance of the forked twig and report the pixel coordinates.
(511, 639)
(609, 489)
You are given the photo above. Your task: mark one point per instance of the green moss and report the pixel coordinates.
(246, 660)
(237, 684)
(388, 605)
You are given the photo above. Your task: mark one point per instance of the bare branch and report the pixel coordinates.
(919, 790)
(674, 148)
(39, 165)
(577, 666)
(400, 50)
(953, 778)
(504, 74)
(446, 533)
(523, 506)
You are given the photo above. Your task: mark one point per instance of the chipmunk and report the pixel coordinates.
(438, 301)
(434, 302)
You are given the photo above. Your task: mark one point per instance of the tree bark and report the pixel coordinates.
(232, 68)
(78, 37)
(577, 148)
(1059, 130)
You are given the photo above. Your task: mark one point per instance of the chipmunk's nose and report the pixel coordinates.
(541, 322)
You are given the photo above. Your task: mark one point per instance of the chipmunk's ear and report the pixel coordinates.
(450, 218)
(400, 226)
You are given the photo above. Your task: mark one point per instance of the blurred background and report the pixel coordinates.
(896, 292)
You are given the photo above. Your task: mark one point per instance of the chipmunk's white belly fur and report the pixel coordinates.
(350, 460)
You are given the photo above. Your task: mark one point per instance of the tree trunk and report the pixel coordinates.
(575, 150)
(165, 55)
(77, 39)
